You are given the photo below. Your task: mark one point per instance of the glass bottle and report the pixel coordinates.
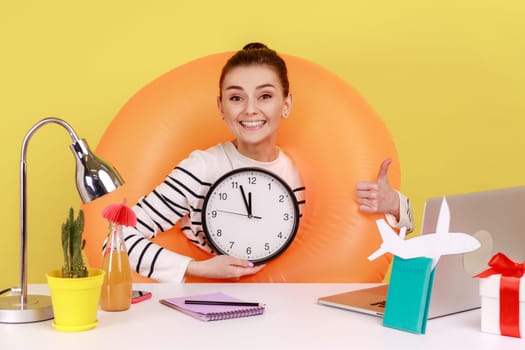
(116, 289)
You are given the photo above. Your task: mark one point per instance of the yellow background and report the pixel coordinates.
(447, 78)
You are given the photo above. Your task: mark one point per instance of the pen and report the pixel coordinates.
(214, 302)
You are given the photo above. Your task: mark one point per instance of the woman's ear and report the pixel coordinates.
(219, 106)
(287, 106)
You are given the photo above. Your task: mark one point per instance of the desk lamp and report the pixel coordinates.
(94, 178)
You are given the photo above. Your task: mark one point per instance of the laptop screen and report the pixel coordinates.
(495, 218)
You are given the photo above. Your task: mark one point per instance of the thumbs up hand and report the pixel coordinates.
(379, 196)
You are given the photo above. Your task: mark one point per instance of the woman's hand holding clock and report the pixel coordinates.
(222, 266)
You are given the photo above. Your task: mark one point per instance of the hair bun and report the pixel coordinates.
(254, 46)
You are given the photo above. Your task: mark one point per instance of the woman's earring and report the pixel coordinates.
(285, 114)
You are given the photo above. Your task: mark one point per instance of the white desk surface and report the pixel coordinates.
(292, 320)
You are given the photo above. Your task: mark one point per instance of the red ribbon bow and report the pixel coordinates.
(509, 290)
(501, 264)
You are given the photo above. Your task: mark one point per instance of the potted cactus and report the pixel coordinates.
(75, 288)
(72, 246)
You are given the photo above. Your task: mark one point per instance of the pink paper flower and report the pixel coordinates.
(120, 214)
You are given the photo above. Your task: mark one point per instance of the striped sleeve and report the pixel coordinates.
(405, 214)
(157, 212)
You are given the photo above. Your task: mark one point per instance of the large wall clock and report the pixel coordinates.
(250, 213)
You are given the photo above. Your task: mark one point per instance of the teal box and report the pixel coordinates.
(409, 294)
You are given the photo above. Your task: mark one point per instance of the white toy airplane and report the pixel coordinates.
(431, 245)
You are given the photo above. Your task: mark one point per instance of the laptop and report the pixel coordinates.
(494, 217)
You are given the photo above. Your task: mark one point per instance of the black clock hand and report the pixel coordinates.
(250, 204)
(241, 214)
(247, 202)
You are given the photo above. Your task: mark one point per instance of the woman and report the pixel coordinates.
(254, 97)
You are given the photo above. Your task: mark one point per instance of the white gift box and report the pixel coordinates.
(490, 296)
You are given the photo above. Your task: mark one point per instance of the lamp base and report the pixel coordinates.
(37, 308)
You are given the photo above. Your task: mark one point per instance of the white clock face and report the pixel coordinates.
(250, 213)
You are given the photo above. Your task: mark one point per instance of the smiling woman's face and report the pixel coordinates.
(252, 104)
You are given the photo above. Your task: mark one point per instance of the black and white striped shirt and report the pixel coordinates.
(180, 198)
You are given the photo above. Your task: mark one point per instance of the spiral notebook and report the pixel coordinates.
(212, 312)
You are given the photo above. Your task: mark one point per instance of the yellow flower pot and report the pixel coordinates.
(75, 300)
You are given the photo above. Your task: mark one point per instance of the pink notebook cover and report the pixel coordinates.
(212, 312)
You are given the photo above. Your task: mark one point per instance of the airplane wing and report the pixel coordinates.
(443, 223)
(389, 238)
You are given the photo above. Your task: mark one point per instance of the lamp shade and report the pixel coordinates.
(94, 176)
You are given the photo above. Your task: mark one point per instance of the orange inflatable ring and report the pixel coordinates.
(334, 136)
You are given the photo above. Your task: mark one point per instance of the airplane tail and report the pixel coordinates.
(376, 254)
(387, 235)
